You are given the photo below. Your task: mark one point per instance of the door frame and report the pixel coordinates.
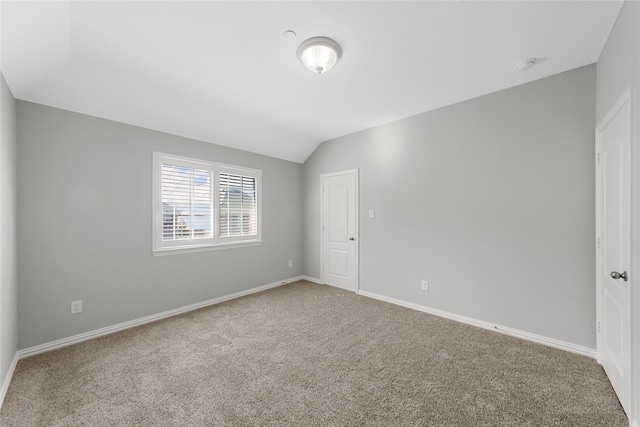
(634, 248)
(355, 172)
(634, 204)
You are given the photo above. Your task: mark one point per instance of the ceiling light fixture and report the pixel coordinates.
(526, 64)
(319, 54)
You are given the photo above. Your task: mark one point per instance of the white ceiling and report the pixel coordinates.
(223, 72)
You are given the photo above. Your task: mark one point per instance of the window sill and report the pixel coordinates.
(191, 249)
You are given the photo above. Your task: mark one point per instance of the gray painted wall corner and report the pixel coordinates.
(8, 238)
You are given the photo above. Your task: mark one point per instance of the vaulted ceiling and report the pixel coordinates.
(223, 72)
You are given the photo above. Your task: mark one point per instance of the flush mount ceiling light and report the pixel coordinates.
(319, 54)
(526, 64)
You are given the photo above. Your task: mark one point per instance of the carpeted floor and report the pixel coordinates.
(309, 355)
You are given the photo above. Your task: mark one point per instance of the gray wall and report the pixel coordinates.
(619, 62)
(618, 69)
(84, 206)
(491, 200)
(8, 263)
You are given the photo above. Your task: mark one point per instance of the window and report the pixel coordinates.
(199, 205)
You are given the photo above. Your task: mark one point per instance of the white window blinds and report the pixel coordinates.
(201, 204)
(187, 204)
(238, 213)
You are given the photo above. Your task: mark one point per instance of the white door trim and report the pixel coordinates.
(634, 206)
(634, 416)
(357, 245)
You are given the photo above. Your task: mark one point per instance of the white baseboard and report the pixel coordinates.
(7, 379)
(551, 342)
(311, 279)
(53, 345)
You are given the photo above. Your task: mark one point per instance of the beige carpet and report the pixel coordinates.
(303, 355)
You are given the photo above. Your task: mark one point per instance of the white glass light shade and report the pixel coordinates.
(319, 54)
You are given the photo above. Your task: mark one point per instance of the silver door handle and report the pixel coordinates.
(617, 275)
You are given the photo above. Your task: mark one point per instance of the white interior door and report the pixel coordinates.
(613, 253)
(339, 229)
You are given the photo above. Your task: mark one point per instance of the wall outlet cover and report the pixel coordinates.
(76, 307)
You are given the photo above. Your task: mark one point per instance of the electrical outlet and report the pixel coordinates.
(290, 263)
(425, 285)
(76, 307)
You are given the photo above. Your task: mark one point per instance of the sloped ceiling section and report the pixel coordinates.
(223, 72)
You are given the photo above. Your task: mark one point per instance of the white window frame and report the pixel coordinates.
(160, 247)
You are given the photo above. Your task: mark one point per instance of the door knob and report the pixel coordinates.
(617, 275)
(352, 238)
